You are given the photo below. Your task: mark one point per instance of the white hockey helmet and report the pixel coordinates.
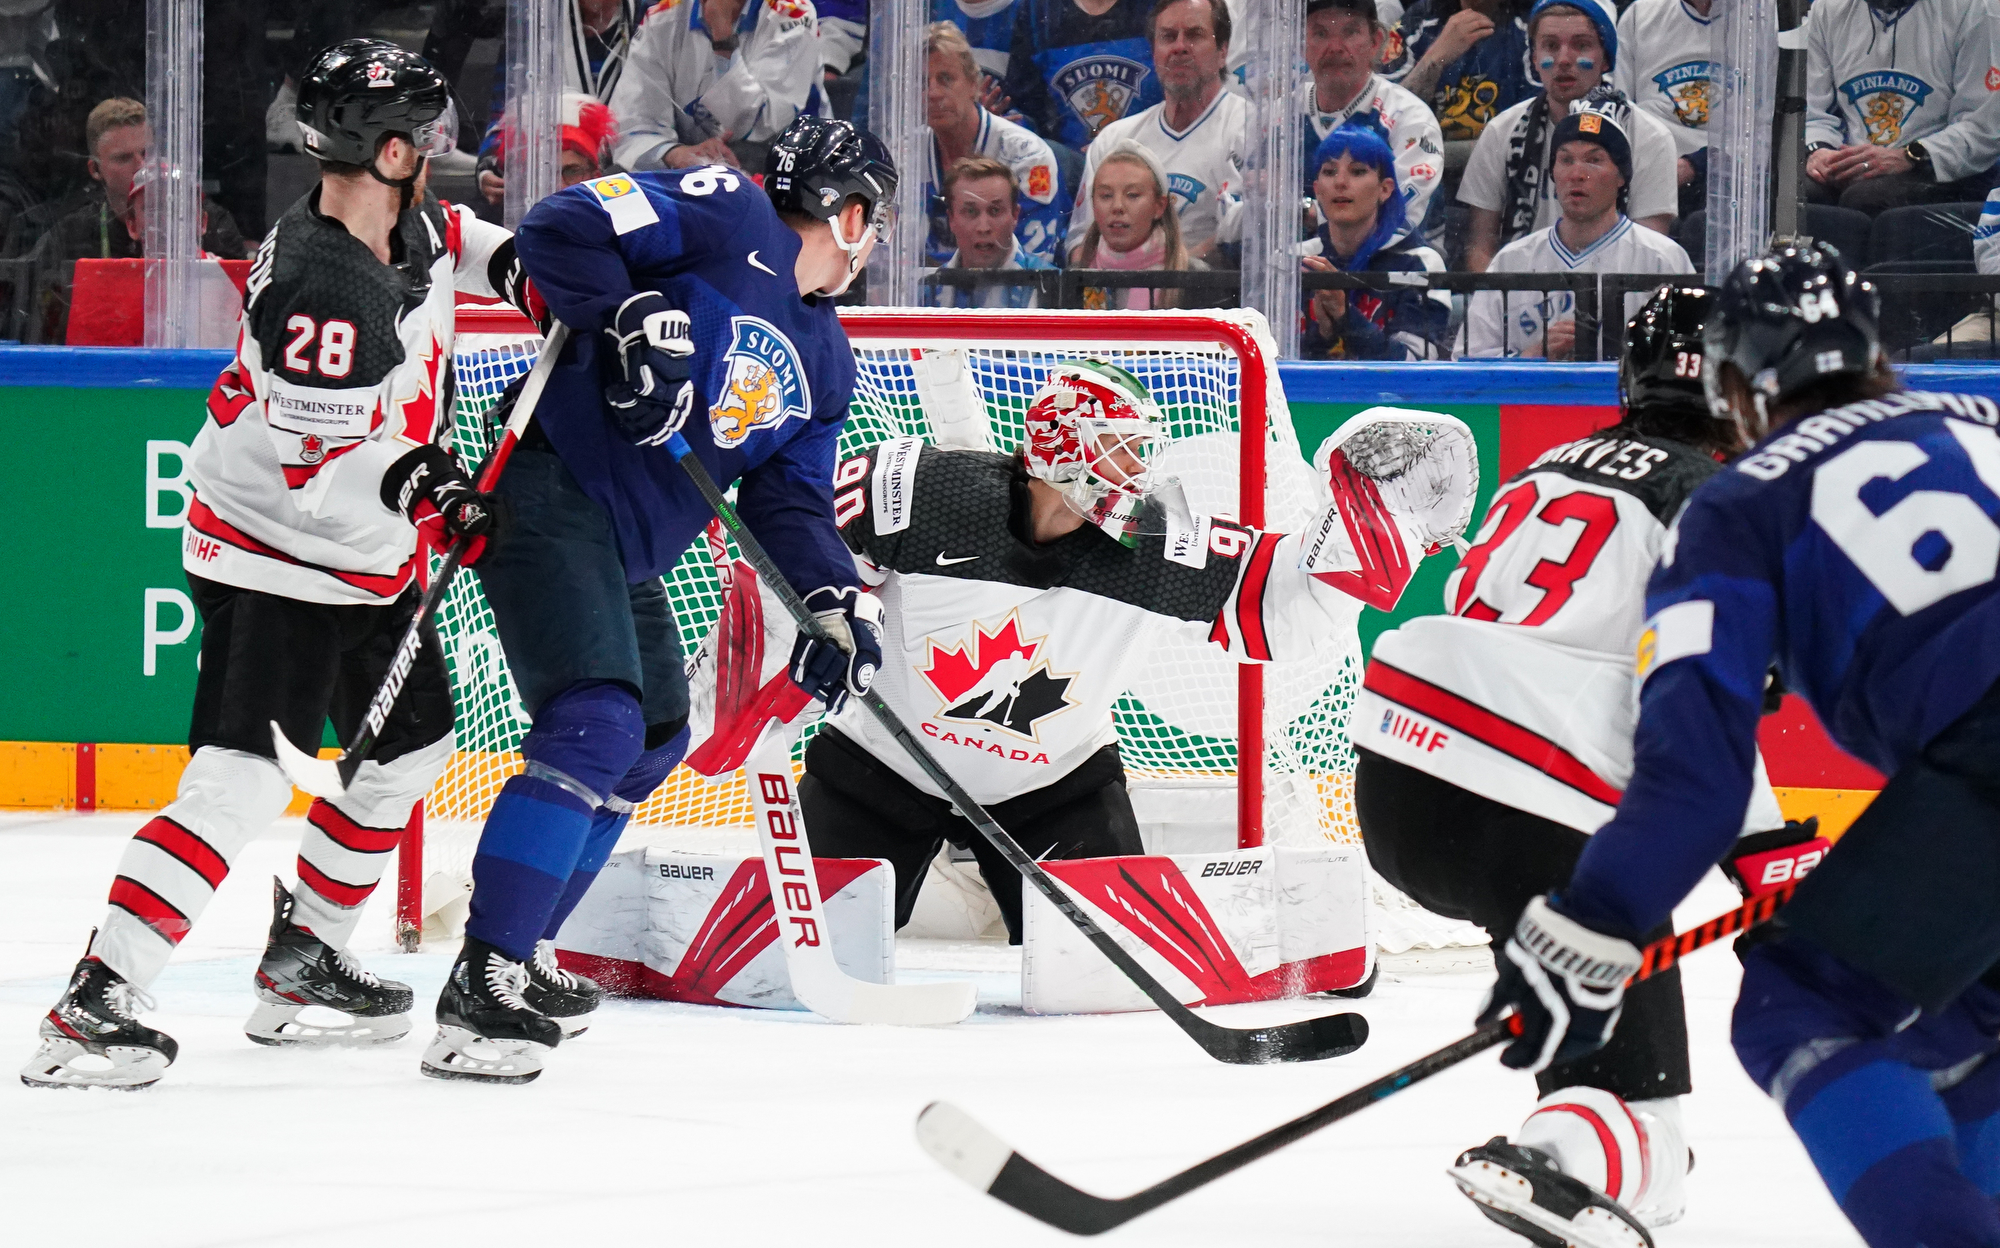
(1093, 432)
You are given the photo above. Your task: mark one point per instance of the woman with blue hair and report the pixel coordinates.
(1364, 211)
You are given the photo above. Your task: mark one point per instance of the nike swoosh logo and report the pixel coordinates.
(755, 263)
(943, 562)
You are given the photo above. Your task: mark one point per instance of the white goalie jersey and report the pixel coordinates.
(1007, 656)
(1523, 693)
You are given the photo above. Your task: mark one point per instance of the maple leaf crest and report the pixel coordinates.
(995, 679)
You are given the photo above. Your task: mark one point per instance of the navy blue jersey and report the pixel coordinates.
(1071, 74)
(1477, 87)
(1857, 550)
(773, 371)
(988, 27)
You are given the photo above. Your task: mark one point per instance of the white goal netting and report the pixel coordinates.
(965, 377)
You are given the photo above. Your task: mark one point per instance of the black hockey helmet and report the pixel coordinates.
(360, 91)
(816, 164)
(1659, 376)
(1792, 317)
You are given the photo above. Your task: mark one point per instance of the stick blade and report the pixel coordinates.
(1308, 1040)
(894, 1005)
(958, 1142)
(317, 776)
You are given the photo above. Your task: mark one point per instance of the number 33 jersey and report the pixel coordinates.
(1857, 549)
(1522, 693)
(342, 366)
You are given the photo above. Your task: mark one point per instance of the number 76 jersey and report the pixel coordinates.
(1522, 692)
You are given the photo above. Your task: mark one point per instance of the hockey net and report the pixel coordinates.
(966, 377)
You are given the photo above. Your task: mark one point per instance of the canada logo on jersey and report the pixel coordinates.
(379, 75)
(312, 449)
(999, 679)
(763, 383)
(1885, 99)
(1100, 88)
(1686, 84)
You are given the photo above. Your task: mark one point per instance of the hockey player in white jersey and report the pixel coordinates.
(1493, 739)
(1590, 164)
(1900, 105)
(1023, 591)
(325, 456)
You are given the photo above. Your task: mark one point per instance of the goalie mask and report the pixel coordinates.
(1093, 431)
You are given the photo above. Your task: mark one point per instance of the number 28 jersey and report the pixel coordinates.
(1522, 693)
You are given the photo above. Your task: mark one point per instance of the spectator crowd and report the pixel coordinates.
(1524, 138)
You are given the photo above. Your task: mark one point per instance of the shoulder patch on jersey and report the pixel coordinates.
(1677, 632)
(791, 10)
(764, 384)
(1187, 539)
(1041, 182)
(894, 484)
(623, 202)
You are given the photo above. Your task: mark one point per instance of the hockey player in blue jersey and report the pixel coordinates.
(695, 301)
(1855, 547)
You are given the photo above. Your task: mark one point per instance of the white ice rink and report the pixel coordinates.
(688, 1125)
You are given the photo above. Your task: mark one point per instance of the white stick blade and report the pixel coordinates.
(317, 776)
(894, 1005)
(955, 1140)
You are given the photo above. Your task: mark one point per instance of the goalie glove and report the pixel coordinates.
(1566, 981)
(854, 617)
(650, 361)
(1763, 861)
(1398, 485)
(432, 492)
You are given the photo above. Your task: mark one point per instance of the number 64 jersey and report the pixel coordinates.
(1523, 692)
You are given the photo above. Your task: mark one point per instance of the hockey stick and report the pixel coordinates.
(1307, 1040)
(803, 931)
(329, 777)
(957, 1141)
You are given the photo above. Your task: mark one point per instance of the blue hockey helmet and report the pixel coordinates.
(1788, 319)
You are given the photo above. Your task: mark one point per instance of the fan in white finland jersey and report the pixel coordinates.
(1591, 167)
(1025, 590)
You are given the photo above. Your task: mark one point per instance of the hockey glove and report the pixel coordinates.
(650, 360)
(1566, 982)
(854, 617)
(433, 493)
(1762, 861)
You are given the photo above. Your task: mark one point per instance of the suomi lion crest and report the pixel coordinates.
(763, 383)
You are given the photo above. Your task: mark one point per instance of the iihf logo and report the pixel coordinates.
(312, 449)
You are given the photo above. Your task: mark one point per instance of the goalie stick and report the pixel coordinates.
(1306, 1040)
(329, 777)
(959, 1143)
(803, 932)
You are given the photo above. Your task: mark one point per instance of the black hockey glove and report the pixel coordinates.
(433, 493)
(1566, 982)
(1762, 861)
(854, 617)
(648, 362)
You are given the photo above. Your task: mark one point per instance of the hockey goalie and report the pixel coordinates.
(1022, 592)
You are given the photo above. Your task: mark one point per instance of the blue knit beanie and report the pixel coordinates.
(1601, 15)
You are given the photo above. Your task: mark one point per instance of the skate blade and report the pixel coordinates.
(572, 1027)
(461, 1054)
(127, 1068)
(1509, 1200)
(275, 1021)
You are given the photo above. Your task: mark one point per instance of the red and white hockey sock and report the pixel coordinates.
(347, 841)
(175, 863)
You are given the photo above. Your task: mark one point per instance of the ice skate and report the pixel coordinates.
(565, 996)
(486, 1028)
(1523, 1190)
(300, 971)
(93, 1037)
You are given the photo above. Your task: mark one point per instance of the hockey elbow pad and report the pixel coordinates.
(432, 492)
(510, 280)
(1765, 861)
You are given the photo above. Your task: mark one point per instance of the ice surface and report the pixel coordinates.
(690, 1125)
